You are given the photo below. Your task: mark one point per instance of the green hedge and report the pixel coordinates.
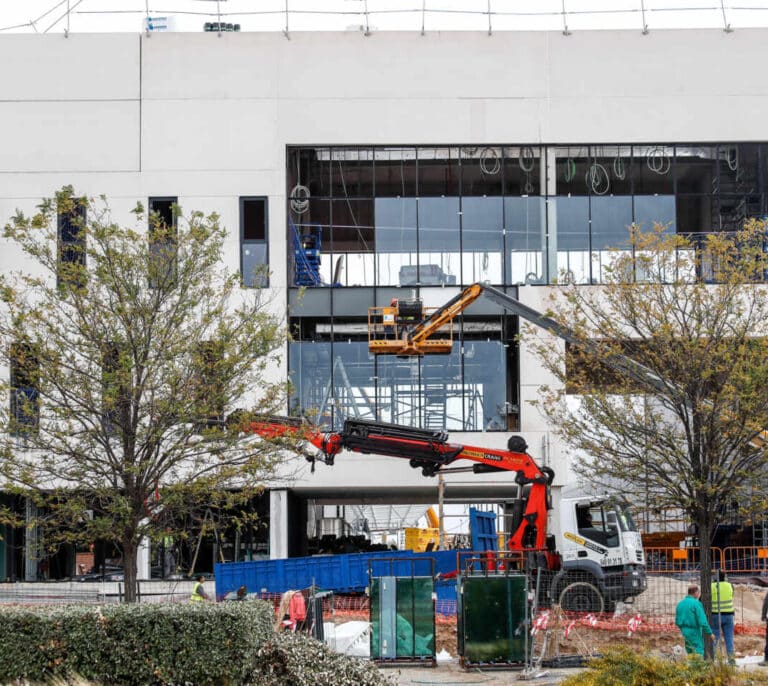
(195, 643)
(298, 660)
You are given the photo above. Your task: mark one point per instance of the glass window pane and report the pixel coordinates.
(652, 170)
(480, 174)
(395, 221)
(611, 220)
(310, 365)
(482, 240)
(654, 208)
(310, 260)
(608, 171)
(572, 167)
(522, 171)
(441, 392)
(254, 218)
(398, 390)
(696, 168)
(352, 389)
(694, 213)
(573, 248)
(485, 386)
(351, 172)
(524, 220)
(438, 171)
(439, 241)
(395, 172)
(254, 264)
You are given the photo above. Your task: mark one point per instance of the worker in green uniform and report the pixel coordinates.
(692, 621)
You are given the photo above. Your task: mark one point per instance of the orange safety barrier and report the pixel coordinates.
(745, 560)
(669, 560)
(733, 559)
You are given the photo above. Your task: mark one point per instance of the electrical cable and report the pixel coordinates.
(527, 159)
(495, 163)
(732, 158)
(366, 247)
(619, 168)
(569, 169)
(597, 179)
(658, 161)
(299, 199)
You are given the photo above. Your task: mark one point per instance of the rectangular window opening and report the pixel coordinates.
(254, 253)
(163, 241)
(25, 389)
(70, 224)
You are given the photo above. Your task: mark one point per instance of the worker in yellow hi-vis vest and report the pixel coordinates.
(198, 592)
(722, 612)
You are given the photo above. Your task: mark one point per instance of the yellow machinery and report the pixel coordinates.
(407, 328)
(421, 540)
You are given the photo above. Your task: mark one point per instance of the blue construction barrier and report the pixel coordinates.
(339, 573)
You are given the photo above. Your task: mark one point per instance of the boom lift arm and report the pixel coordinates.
(417, 338)
(431, 452)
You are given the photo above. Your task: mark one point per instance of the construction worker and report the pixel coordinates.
(198, 592)
(692, 621)
(722, 612)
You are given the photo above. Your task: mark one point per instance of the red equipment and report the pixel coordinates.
(430, 451)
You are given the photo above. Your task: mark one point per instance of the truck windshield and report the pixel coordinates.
(624, 518)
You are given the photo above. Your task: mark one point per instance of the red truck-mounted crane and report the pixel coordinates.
(595, 552)
(430, 451)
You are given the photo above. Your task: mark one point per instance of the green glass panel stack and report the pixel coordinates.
(402, 618)
(493, 619)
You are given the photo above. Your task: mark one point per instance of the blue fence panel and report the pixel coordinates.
(340, 573)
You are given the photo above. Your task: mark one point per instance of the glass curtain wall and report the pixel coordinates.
(336, 379)
(694, 189)
(384, 220)
(410, 216)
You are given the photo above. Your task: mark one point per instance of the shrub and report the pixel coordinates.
(298, 660)
(196, 643)
(622, 666)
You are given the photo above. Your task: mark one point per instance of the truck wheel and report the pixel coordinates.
(581, 596)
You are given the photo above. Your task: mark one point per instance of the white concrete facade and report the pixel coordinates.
(207, 118)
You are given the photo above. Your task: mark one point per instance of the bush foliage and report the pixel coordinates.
(622, 666)
(197, 643)
(298, 660)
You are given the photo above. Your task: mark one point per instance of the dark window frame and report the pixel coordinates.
(71, 242)
(250, 281)
(23, 383)
(154, 244)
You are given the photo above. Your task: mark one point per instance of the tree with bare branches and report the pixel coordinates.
(681, 427)
(127, 348)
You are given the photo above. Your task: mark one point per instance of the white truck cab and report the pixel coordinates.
(601, 551)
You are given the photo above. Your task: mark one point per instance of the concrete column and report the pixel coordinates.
(278, 524)
(30, 542)
(549, 220)
(143, 564)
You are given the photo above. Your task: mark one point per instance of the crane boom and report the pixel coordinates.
(416, 340)
(430, 451)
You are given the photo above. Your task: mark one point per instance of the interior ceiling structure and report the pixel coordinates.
(386, 517)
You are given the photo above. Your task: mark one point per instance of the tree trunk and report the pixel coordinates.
(705, 536)
(130, 551)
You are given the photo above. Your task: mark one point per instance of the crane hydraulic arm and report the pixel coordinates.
(431, 452)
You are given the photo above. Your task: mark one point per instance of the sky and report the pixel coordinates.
(51, 16)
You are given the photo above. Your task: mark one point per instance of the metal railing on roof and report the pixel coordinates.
(369, 16)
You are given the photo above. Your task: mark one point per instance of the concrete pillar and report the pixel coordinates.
(278, 524)
(143, 563)
(549, 220)
(30, 542)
